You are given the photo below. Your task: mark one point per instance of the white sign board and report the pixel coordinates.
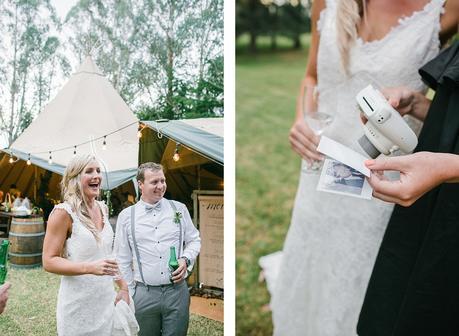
(211, 230)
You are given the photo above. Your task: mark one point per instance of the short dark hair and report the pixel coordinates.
(150, 166)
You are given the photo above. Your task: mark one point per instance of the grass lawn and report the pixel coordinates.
(267, 172)
(31, 309)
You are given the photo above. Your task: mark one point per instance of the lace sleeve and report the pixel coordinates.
(66, 207)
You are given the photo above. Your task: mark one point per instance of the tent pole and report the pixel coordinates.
(198, 167)
(136, 187)
(35, 183)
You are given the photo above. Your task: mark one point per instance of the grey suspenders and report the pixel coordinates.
(135, 242)
(180, 227)
(136, 250)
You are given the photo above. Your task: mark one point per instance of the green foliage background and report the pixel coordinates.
(267, 171)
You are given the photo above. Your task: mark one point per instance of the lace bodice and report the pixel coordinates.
(391, 61)
(81, 245)
(86, 302)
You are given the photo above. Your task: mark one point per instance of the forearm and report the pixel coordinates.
(123, 250)
(191, 250)
(62, 266)
(192, 238)
(126, 273)
(449, 164)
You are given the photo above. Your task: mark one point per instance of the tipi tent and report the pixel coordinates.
(84, 115)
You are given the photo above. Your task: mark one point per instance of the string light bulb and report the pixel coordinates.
(28, 160)
(74, 150)
(12, 159)
(50, 161)
(104, 144)
(176, 155)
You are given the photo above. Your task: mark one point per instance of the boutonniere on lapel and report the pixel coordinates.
(177, 217)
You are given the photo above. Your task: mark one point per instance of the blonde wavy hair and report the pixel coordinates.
(72, 191)
(349, 14)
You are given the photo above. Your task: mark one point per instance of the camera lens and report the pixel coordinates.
(368, 147)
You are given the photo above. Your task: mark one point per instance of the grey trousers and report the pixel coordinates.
(162, 310)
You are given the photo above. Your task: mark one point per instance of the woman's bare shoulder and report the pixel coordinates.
(449, 20)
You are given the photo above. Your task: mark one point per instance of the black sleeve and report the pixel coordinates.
(442, 69)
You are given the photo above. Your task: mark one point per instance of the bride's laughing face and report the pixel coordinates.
(91, 180)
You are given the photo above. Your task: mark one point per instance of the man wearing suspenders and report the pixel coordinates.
(145, 232)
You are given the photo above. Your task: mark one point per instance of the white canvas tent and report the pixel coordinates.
(87, 111)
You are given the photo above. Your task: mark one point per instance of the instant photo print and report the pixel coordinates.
(339, 178)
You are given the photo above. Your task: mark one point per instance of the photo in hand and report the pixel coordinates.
(336, 177)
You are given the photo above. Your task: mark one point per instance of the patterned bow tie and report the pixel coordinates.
(150, 208)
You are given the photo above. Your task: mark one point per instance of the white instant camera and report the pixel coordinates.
(385, 130)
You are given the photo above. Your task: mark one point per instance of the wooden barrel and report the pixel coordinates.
(26, 237)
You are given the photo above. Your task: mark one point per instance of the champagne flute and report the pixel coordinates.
(110, 254)
(318, 121)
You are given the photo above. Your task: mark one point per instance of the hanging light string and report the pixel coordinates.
(141, 127)
(80, 144)
(184, 146)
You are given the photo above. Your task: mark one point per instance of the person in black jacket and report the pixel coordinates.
(414, 287)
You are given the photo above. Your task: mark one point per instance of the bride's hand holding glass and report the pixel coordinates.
(304, 141)
(102, 267)
(307, 128)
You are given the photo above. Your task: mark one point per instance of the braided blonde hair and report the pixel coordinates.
(349, 14)
(72, 191)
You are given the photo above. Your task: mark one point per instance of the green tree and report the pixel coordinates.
(252, 17)
(293, 21)
(272, 18)
(210, 91)
(155, 52)
(107, 30)
(26, 28)
(164, 29)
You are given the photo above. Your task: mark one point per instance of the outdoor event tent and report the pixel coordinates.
(85, 113)
(200, 166)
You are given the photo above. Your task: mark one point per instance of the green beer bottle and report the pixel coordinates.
(3, 259)
(173, 262)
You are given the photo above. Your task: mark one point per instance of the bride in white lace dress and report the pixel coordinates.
(77, 242)
(333, 240)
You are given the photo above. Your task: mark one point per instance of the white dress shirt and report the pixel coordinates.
(155, 233)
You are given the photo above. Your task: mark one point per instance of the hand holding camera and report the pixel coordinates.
(385, 130)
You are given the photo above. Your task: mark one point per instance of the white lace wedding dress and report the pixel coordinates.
(85, 304)
(333, 240)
